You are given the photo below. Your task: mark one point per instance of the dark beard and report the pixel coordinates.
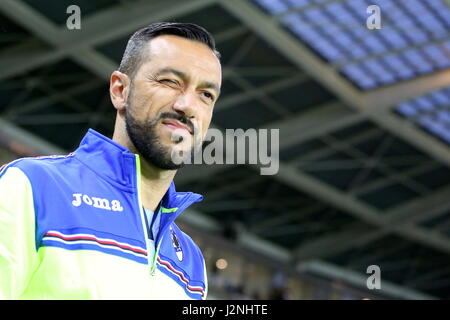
(145, 140)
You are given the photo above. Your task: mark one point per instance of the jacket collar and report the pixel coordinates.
(116, 164)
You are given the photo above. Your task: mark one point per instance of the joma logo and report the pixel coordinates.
(100, 203)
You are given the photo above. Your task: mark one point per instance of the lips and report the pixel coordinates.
(175, 124)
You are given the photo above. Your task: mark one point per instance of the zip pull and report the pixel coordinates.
(153, 270)
(155, 258)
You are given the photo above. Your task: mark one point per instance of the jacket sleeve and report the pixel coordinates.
(18, 255)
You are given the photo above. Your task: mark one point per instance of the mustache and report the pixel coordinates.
(179, 117)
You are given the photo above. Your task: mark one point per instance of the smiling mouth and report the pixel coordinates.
(175, 124)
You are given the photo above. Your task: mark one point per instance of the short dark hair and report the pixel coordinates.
(134, 55)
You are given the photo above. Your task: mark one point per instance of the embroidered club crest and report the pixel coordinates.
(177, 246)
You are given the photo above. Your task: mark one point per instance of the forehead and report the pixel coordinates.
(191, 57)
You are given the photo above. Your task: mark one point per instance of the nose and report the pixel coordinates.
(185, 104)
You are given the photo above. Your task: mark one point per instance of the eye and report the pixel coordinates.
(169, 82)
(208, 95)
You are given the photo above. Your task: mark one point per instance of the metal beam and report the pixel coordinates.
(33, 144)
(305, 183)
(426, 278)
(333, 243)
(336, 239)
(322, 119)
(96, 29)
(382, 99)
(262, 97)
(353, 152)
(224, 189)
(311, 160)
(235, 99)
(16, 111)
(395, 219)
(264, 226)
(358, 279)
(421, 209)
(358, 209)
(408, 131)
(325, 74)
(25, 57)
(363, 162)
(252, 247)
(303, 58)
(270, 31)
(397, 51)
(331, 149)
(392, 178)
(51, 119)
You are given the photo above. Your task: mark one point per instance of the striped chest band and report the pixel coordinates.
(180, 277)
(89, 241)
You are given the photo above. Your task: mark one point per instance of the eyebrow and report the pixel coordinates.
(184, 76)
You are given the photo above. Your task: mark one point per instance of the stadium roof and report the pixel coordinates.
(364, 119)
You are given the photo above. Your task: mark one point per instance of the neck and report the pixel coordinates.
(154, 181)
(154, 184)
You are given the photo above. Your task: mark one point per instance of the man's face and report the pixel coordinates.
(171, 99)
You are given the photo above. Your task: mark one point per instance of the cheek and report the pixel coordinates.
(151, 103)
(205, 122)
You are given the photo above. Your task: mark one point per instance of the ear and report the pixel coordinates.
(119, 89)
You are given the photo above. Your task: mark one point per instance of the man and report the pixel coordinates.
(99, 222)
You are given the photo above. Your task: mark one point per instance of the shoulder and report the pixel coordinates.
(35, 166)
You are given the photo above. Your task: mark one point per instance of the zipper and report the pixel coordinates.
(155, 258)
(151, 261)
